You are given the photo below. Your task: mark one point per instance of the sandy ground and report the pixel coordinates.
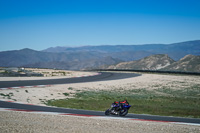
(27, 122)
(50, 74)
(17, 122)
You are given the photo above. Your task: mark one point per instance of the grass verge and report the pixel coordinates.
(162, 101)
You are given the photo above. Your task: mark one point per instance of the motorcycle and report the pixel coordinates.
(118, 109)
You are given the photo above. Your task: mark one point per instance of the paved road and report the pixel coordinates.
(103, 76)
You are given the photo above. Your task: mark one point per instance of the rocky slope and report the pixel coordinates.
(154, 62)
(189, 63)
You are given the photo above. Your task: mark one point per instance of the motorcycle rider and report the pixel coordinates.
(118, 108)
(120, 103)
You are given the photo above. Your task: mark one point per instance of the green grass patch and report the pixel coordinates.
(70, 88)
(8, 96)
(162, 101)
(66, 94)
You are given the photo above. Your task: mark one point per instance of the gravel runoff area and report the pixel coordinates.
(28, 122)
(18, 122)
(49, 74)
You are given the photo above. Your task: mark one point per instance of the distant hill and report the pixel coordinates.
(75, 65)
(189, 63)
(89, 57)
(70, 61)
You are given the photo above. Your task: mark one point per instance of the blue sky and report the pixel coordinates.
(40, 24)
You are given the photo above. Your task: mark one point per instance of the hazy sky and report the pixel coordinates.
(39, 24)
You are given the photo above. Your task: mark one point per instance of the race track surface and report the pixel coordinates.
(101, 77)
(36, 108)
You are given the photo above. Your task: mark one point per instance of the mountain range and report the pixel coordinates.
(89, 57)
(135, 52)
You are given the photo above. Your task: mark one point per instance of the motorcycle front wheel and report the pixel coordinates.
(107, 112)
(123, 112)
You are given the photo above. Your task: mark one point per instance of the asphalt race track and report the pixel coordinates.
(101, 77)
(36, 108)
